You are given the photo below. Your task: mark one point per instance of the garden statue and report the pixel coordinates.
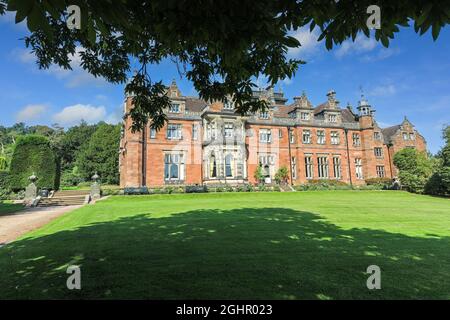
(31, 189)
(95, 187)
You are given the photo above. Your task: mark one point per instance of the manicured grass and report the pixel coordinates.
(302, 245)
(7, 207)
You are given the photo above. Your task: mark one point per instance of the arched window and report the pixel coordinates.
(212, 166)
(229, 165)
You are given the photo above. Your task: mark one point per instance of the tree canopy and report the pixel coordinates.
(218, 45)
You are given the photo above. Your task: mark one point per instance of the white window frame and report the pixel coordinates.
(174, 128)
(309, 167)
(359, 169)
(306, 136)
(321, 139)
(265, 135)
(335, 139)
(174, 108)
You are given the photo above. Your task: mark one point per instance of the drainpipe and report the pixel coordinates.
(144, 158)
(390, 162)
(348, 157)
(290, 158)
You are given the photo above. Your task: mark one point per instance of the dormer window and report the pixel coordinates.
(304, 116)
(264, 115)
(332, 118)
(174, 108)
(227, 104)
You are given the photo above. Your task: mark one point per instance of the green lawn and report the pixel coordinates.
(7, 207)
(302, 245)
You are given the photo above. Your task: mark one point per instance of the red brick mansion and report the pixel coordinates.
(208, 143)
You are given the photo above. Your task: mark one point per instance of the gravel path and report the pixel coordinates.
(14, 225)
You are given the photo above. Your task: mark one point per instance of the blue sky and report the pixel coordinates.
(411, 77)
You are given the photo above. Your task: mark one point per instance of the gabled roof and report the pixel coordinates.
(347, 116)
(195, 104)
(389, 132)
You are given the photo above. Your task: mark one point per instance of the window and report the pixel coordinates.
(320, 137)
(304, 116)
(266, 160)
(174, 131)
(264, 115)
(378, 152)
(210, 132)
(195, 131)
(227, 104)
(173, 166)
(306, 136)
(358, 167)
(405, 136)
(332, 118)
(356, 141)
(376, 136)
(291, 136)
(229, 165)
(334, 137)
(212, 166)
(280, 133)
(309, 167)
(322, 163)
(337, 167)
(152, 133)
(228, 130)
(380, 171)
(174, 108)
(412, 136)
(294, 168)
(265, 135)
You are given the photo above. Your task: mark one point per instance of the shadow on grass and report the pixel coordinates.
(269, 253)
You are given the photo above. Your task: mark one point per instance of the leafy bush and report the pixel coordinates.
(323, 185)
(4, 185)
(439, 183)
(282, 175)
(3, 164)
(195, 189)
(258, 175)
(415, 169)
(33, 154)
(100, 155)
(71, 178)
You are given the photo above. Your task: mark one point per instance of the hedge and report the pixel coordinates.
(33, 154)
(3, 164)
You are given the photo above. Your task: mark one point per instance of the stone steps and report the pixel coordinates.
(65, 198)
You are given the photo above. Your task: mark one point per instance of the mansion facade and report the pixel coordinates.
(209, 143)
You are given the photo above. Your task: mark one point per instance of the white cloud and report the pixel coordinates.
(73, 78)
(382, 54)
(360, 45)
(308, 41)
(383, 90)
(116, 116)
(31, 112)
(73, 114)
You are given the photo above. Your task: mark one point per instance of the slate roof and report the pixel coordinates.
(389, 132)
(195, 104)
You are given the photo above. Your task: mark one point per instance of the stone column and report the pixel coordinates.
(31, 189)
(95, 188)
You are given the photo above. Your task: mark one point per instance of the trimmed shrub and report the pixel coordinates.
(3, 164)
(323, 185)
(4, 185)
(33, 154)
(439, 183)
